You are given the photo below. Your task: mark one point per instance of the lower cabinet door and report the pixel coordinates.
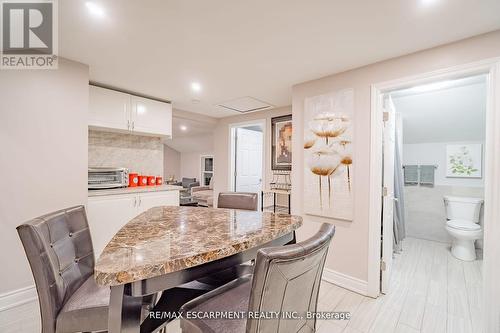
(106, 215)
(154, 199)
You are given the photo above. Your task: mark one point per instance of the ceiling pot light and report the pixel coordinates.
(95, 9)
(183, 128)
(196, 86)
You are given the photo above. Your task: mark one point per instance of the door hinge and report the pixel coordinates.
(382, 265)
(384, 191)
(386, 116)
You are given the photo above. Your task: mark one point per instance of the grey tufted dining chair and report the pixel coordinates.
(238, 200)
(286, 278)
(59, 250)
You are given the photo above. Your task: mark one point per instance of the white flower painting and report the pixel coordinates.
(328, 167)
(464, 161)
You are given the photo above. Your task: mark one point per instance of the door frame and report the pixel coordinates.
(491, 248)
(260, 122)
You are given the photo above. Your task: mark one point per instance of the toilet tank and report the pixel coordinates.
(463, 208)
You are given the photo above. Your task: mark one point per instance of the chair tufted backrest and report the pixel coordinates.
(59, 249)
(287, 279)
(238, 200)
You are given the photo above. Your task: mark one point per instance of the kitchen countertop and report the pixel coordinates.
(130, 190)
(167, 239)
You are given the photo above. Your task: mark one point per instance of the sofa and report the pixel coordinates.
(187, 184)
(203, 194)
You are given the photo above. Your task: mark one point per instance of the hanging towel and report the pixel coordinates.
(411, 174)
(427, 175)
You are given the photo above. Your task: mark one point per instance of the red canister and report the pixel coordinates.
(133, 179)
(159, 181)
(151, 180)
(143, 180)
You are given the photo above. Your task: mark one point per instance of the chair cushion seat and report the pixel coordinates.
(86, 310)
(233, 297)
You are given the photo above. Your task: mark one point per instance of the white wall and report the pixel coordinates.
(171, 162)
(43, 137)
(349, 250)
(191, 164)
(435, 154)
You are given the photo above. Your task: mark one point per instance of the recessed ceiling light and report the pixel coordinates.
(183, 128)
(95, 9)
(196, 86)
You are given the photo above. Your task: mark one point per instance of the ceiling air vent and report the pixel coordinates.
(245, 104)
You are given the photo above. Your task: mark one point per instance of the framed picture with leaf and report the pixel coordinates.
(281, 140)
(464, 161)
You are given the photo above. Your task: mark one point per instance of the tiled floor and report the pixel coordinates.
(431, 291)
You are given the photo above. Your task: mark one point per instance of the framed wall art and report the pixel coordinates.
(281, 141)
(328, 154)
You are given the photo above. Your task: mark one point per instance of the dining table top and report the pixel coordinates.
(166, 239)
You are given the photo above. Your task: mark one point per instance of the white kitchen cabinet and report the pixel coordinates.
(118, 111)
(109, 108)
(153, 199)
(149, 116)
(108, 213)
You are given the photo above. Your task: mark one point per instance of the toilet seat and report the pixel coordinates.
(463, 225)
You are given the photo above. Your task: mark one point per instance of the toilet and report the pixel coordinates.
(462, 214)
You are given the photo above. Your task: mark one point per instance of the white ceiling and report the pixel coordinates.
(182, 127)
(191, 132)
(237, 48)
(456, 113)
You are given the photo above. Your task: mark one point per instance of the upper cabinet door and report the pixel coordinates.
(109, 108)
(151, 117)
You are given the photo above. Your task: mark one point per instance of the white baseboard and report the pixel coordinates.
(17, 297)
(28, 294)
(346, 281)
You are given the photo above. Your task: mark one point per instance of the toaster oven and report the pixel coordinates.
(101, 178)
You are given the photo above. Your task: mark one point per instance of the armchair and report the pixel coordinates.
(187, 184)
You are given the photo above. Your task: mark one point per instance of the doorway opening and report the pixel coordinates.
(247, 156)
(433, 143)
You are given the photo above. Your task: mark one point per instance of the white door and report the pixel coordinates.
(150, 200)
(108, 108)
(151, 117)
(248, 170)
(388, 192)
(106, 215)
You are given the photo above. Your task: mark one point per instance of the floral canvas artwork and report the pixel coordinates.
(464, 161)
(328, 154)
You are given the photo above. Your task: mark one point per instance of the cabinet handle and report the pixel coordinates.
(140, 201)
(128, 124)
(135, 201)
(133, 125)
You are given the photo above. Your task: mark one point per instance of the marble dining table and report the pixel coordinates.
(167, 246)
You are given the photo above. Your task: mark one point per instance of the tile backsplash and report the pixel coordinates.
(142, 154)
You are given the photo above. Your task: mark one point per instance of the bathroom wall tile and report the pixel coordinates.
(425, 211)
